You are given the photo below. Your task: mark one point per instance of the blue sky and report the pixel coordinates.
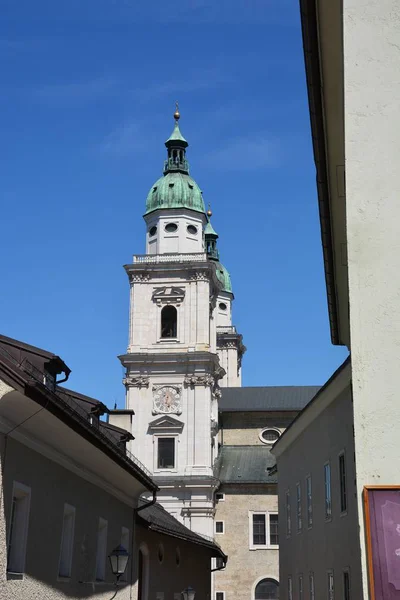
(88, 93)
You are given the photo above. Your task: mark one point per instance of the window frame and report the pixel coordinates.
(311, 584)
(328, 501)
(223, 527)
(69, 511)
(101, 549)
(160, 324)
(22, 492)
(330, 591)
(290, 587)
(309, 501)
(301, 586)
(288, 508)
(267, 545)
(346, 572)
(220, 592)
(299, 512)
(157, 438)
(222, 494)
(343, 495)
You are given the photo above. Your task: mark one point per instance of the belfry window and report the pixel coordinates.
(169, 319)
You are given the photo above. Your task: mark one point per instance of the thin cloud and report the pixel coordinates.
(72, 91)
(125, 139)
(247, 154)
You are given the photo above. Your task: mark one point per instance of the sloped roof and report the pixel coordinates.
(156, 518)
(244, 464)
(273, 398)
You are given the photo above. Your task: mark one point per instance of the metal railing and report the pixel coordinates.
(46, 381)
(176, 165)
(154, 259)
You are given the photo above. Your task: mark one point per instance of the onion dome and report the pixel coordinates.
(176, 189)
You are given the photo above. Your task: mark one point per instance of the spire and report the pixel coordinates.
(176, 147)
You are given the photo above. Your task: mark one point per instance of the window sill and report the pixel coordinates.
(11, 576)
(263, 547)
(344, 513)
(62, 579)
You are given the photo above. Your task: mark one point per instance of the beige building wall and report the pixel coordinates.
(329, 544)
(244, 428)
(245, 567)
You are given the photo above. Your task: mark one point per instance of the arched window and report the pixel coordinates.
(169, 318)
(267, 589)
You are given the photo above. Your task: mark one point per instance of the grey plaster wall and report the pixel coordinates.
(167, 577)
(332, 544)
(52, 486)
(245, 567)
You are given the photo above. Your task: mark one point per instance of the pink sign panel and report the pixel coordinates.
(382, 512)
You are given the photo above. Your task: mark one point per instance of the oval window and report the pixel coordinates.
(222, 306)
(192, 229)
(171, 227)
(153, 231)
(269, 436)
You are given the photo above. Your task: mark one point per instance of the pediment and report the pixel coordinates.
(168, 294)
(166, 423)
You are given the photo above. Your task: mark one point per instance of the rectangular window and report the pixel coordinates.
(219, 595)
(125, 544)
(346, 585)
(67, 541)
(273, 529)
(301, 587)
(166, 453)
(18, 528)
(312, 586)
(219, 527)
(220, 497)
(342, 481)
(290, 588)
(309, 500)
(259, 530)
(101, 550)
(331, 591)
(288, 515)
(328, 495)
(298, 501)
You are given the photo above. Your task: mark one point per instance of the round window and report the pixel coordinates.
(153, 231)
(171, 227)
(160, 553)
(222, 306)
(192, 229)
(269, 436)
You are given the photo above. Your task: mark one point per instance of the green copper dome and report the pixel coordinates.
(175, 190)
(224, 278)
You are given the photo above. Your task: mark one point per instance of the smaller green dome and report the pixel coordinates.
(175, 190)
(224, 278)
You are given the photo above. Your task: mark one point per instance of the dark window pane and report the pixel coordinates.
(219, 527)
(267, 589)
(219, 596)
(259, 538)
(346, 585)
(342, 476)
(166, 453)
(171, 227)
(168, 322)
(273, 530)
(270, 435)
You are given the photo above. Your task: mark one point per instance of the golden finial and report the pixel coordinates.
(177, 114)
(209, 211)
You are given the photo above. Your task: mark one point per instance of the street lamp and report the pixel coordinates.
(118, 559)
(188, 594)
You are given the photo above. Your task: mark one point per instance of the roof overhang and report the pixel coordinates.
(322, 29)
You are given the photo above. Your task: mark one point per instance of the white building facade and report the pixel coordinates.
(180, 297)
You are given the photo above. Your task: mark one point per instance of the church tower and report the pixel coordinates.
(173, 370)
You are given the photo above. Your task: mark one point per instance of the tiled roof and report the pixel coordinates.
(244, 464)
(156, 518)
(273, 398)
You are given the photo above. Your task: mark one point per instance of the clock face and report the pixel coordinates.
(167, 399)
